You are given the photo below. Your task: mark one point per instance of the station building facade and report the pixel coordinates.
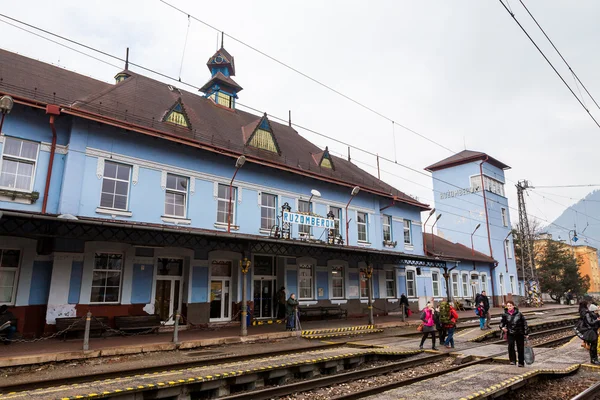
(119, 199)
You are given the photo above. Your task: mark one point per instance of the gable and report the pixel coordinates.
(262, 137)
(177, 115)
(326, 161)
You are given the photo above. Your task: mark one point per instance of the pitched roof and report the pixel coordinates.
(464, 157)
(140, 102)
(447, 249)
(219, 76)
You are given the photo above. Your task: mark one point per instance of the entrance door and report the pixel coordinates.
(220, 305)
(167, 293)
(264, 297)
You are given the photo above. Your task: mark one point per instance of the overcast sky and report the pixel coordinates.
(458, 72)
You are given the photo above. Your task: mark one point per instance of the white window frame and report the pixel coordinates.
(465, 284)
(341, 277)
(233, 204)
(177, 191)
(366, 225)
(504, 217)
(414, 281)
(338, 224)
(438, 282)
(511, 279)
(507, 248)
(116, 180)
(409, 229)
(21, 160)
(455, 284)
(274, 208)
(393, 280)
(305, 229)
(121, 271)
(386, 222)
(311, 278)
(502, 289)
(15, 270)
(483, 282)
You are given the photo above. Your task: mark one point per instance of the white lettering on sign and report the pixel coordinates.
(459, 192)
(308, 220)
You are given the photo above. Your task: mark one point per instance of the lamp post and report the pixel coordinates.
(505, 255)
(6, 105)
(355, 191)
(472, 247)
(238, 164)
(432, 235)
(424, 227)
(244, 266)
(313, 193)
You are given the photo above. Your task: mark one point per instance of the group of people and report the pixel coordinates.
(588, 314)
(287, 309)
(443, 318)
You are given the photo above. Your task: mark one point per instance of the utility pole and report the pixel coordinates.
(532, 285)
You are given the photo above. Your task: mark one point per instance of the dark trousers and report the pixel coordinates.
(442, 335)
(10, 333)
(593, 350)
(425, 334)
(520, 342)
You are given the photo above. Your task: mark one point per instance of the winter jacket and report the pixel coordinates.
(590, 319)
(515, 323)
(453, 318)
(436, 319)
(290, 306)
(428, 320)
(483, 298)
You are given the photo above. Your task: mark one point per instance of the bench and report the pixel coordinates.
(323, 312)
(97, 324)
(138, 322)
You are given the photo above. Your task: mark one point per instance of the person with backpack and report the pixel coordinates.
(514, 325)
(589, 328)
(427, 316)
(448, 319)
(486, 304)
(480, 310)
(439, 325)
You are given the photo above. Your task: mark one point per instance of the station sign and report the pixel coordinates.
(308, 220)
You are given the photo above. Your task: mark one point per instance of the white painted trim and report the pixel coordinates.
(24, 160)
(337, 302)
(440, 280)
(176, 221)
(109, 211)
(219, 225)
(307, 302)
(18, 200)
(100, 168)
(92, 152)
(414, 270)
(392, 300)
(60, 149)
(135, 174)
(406, 245)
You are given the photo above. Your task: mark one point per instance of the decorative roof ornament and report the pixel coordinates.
(259, 134)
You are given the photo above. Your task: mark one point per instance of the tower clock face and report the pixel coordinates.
(218, 59)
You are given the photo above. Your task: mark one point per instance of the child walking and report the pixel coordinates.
(482, 315)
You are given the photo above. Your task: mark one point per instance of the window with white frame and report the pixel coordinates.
(18, 164)
(435, 280)
(504, 217)
(115, 186)
(9, 272)
(455, 292)
(305, 281)
(390, 283)
(268, 210)
(476, 183)
(106, 280)
(176, 195)
(361, 224)
(411, 286)
(386, 222)
(337, 215)
(304, 207)
(483, 282)
(223, 204)
(407, 232)
(502, 291)
(512, 284)
(507, 248)
(364, 284)
(337, 282)
(465, 285)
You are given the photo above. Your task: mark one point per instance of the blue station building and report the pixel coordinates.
(140, 197)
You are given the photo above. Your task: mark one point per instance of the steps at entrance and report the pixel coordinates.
(337, 332)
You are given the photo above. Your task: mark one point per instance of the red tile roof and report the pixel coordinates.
(139, 103)
(446, 249)
(464, 157)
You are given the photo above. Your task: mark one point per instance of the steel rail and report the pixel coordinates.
(121, 373)
(590, 393)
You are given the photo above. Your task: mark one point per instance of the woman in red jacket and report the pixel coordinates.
(450, 327)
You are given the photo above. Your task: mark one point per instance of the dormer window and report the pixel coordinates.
(177, 115)
(260, 135)
(324, 159)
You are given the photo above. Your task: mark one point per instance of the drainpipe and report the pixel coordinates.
(487, 220)
(54, 111)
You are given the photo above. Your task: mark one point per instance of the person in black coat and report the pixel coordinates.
(591, 322)
(514, 325)
(486, 305)
(404, 301)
